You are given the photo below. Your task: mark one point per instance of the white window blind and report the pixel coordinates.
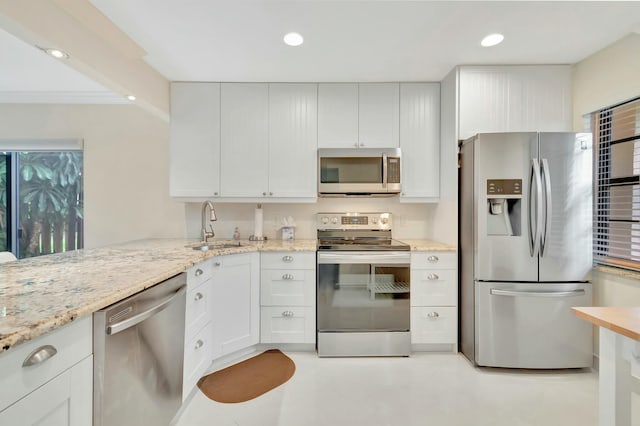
(33, 145)
(617, 185)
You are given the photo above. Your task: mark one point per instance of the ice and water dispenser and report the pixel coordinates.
(504, 202)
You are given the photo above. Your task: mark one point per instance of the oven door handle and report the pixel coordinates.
(367, 257)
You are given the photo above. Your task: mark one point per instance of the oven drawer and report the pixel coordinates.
(295, 287)
(434, 259)
(288, 324)
(288, 260)
(434, 287)
(434, 324)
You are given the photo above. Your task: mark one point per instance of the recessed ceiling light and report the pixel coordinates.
(57, 53)
(492, 40)
(293, 39)
(131, 97)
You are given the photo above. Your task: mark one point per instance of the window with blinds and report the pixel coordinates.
(616, 239)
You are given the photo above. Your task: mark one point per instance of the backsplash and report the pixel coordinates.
(410, 220)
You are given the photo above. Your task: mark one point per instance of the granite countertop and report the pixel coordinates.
(622, 320)
(428, 245)
(40, 294)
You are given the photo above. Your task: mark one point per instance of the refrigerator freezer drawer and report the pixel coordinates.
(531, 325)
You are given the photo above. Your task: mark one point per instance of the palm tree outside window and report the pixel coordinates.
(41, 200)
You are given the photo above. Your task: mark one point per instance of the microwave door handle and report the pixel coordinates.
(385, 171)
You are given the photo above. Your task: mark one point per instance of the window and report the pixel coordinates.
(617, 185)
(41, 197)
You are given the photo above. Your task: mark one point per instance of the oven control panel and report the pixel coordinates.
(353, 221)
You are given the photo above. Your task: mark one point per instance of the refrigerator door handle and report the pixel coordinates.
(547, 202)
(535, 236)
(512, 293)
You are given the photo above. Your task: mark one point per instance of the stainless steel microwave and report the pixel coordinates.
(358, 172)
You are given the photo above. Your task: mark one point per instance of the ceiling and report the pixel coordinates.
(29, 75)
(205, 40)
(241, 40)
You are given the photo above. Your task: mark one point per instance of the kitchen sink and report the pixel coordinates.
(214, 246)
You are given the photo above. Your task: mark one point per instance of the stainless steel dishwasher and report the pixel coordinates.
(138, 357)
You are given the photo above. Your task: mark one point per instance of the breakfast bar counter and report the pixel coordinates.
(619, 360)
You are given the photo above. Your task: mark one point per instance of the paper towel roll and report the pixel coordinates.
(257, 223)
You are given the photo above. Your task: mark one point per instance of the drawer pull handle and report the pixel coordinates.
(199, 272)
(216, 264)
(287, 277)
(433, 258)
(433, 314)
(40, 355)
(287, 258)
(199, 344)
(287, 314)
(433, 277)
(198, 296)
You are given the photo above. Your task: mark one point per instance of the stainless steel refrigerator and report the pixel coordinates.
(525, 241)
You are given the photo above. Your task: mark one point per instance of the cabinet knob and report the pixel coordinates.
(215, 193)
(198, 344)
(433, 314)
(433, 258)
(264, 194)
(287, 314)
(287, 258)
(216, 264)
(40, 355)
(433, 276)
(198, 296)
(271, 194)
(199, 272)
(362, 144)
(287, 277)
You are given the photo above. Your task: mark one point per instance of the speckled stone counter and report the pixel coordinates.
(428, 245)
(38, 295)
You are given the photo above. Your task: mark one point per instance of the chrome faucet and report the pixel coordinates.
(212, 217)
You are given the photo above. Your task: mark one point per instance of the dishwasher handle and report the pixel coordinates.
(136, 319)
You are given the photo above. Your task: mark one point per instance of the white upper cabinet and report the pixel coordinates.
(378, 115)
(420, 141)
(514, 99)
(352, 115)
(244, 139)
(293, 133)
(338, 115)
(194, 146)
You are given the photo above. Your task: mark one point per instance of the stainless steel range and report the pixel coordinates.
(362, 286)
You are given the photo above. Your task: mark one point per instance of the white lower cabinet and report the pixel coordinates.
(198, 353)
(288, 297)
(434, 299)
(198, 345)
(58, 389)
(235, 310)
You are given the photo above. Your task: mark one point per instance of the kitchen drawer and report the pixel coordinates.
(288, 260)
(197, 358)
(434, 259)
(198, 308)
(287, 324)
(295, 287)
(434, 324)
(434, 287)
(73, 343)
(199, 273)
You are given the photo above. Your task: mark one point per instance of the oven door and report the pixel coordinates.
(363, 291)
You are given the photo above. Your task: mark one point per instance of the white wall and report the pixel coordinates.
(125, 162)
(605, 78)
(409, 220)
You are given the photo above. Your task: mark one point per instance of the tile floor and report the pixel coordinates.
(424, 389)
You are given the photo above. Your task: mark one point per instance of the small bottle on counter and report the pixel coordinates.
(236, 234)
